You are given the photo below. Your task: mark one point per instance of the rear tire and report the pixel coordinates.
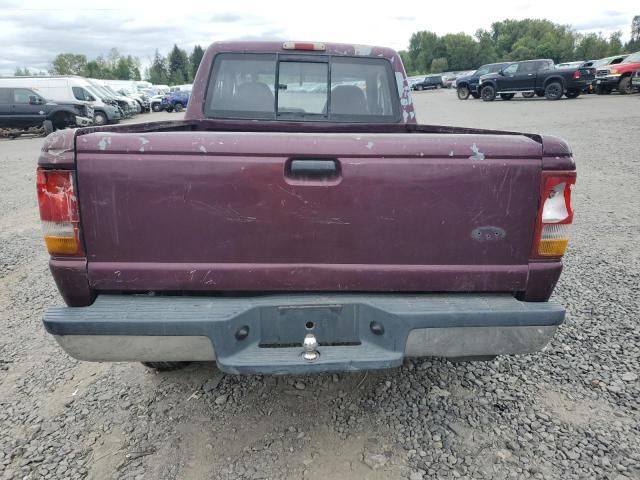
(507, 96)
(624, 86)
(168, 109)
(553, 91)
(165, 366)
(488, 93)
(418, 87)
(528, 94)
(178, 107)
(156, 107)
(463, 93)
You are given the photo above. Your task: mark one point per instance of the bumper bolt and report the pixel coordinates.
(242, 333)
(376, 328)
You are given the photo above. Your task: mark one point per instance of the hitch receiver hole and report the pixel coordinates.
(309, 325)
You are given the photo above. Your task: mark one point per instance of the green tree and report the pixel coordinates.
(178, 63)
(633, 45)
(69, 64)
(615, 43)
(122, 70)
(460, 51)
(194, 60)
(134, 67)
(406, 61)
(439, 65)
(422, 50)
(485, 49)
(158, 73)
(22, 72)
(635, 29)
(591, 46)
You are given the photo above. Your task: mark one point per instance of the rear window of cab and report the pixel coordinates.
(302, 87)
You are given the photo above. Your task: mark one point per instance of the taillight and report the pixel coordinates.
(576, 75)
(555, 214)
(59, 211)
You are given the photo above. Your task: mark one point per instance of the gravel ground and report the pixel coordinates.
(570, 412)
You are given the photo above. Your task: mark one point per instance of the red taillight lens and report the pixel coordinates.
(576, 75)
(304, 46)
(59, 211)
(555, 214)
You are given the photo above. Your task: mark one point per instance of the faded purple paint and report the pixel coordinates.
(206, 205)
(399, 217)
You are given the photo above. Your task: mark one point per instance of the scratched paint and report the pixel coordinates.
(477, 154)
(104, 143)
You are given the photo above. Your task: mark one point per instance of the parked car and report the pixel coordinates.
(459, 75)
(429, 82)
(468, 84)
(447, 80)
(155, 102)
(126, 104)
(175, 101)
(250, 234)
(534, 77)
(635, 80)
(25, 108)
(129, 88)
(617, 77)
(64, 89)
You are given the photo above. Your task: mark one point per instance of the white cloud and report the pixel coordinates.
(32, 34)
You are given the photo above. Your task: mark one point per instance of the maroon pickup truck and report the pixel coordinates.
(299, 220)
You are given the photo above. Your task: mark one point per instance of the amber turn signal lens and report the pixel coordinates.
(61, 245)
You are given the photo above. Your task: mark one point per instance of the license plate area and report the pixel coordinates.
(286, 326)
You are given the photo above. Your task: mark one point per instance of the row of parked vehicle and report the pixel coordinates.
(544, 78)
(48, 103)
(432, 82)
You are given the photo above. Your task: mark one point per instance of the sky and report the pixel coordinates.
(32, 33)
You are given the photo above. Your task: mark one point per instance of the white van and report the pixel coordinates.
(73, 88)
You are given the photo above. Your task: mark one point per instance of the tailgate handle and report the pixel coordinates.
(312, 167)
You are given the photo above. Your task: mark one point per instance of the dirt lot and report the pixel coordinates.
(570, 412)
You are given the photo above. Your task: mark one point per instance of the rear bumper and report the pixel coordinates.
(141, 328)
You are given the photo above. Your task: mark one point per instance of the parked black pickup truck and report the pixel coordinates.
(22, 109)
(539, 77)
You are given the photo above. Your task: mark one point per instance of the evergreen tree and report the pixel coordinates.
(194, 60)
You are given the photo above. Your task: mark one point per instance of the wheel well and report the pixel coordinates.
(554, 79)
(487, 84)
(62, 119)
(462, 84)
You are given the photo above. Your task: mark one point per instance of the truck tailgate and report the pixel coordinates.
(226, 211)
